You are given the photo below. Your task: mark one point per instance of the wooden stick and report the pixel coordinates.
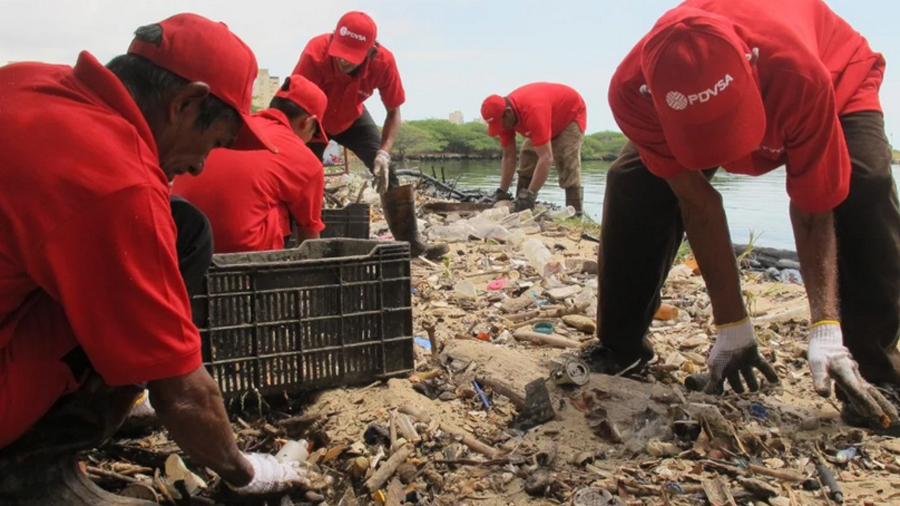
(361, 190)
(429, 328)
(112, 475)
(384, 473)
(470, 441)
(526, 323)
(516, 397)
(415, 412)
(550, 340)
(783, 475)
(546, 312)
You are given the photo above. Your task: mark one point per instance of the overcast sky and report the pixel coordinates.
(451, 53)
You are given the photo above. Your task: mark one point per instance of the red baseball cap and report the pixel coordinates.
(201, 50)
(492, 111)
(310, 97)
(703, 88)
(353, 37)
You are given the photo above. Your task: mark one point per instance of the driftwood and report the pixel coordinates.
(516, 397)
(550, 340)
(384, 473)
(469, 440)
(450, 190)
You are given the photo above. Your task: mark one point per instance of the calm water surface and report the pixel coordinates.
(759, 204)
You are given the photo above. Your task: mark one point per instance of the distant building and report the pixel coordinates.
(479, 119)
(264, 89)
(456, 117)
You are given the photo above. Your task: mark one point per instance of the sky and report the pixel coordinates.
(451, 53)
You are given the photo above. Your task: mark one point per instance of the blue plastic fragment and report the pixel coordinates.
(758, 411)
(414, 291)
(484, 399)
(421, 342)
(543, 327)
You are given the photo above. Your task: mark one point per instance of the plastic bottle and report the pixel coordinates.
(465, 290)
(490, 230)
(540, 257)
(457, 232)
(493, 214)
(516, 238)
(293, 451)
(561, 214)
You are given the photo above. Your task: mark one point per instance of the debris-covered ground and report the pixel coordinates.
(495, 413)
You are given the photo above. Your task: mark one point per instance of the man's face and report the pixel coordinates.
(345, 66)
(183, 143)
(508, 119)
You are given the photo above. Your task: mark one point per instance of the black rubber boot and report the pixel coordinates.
(400, 212)
(41, 467)
(574, 198)
(603, 360)
(523, 183)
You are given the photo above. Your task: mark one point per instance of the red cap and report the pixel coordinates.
(492, 111)
(310, 97)
(201, 50)
(353, 37)
(703, 88)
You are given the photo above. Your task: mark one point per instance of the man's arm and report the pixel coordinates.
(817, 250)
(303, 234)
(542, 170)
(191, 408)
(508, 166)
(707, 230)
(390, 129)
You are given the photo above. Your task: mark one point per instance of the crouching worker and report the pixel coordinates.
(249, 196)
(92, 300)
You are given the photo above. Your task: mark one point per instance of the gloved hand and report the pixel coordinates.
(381, 170)
(525, 200)
(142, 407)
(501, 195)
(734, 355)
(830, 360)
(270, 476)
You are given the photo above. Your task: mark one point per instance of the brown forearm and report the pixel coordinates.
(306, 234)
(707, 231)
(541, 171)
(390, 129)
(817, 250)
(191, 408)
(507, 167)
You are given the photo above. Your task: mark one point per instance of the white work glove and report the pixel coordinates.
(271, 476)
(381, 170)
(734, 355)
(142, 407)
(831, 361)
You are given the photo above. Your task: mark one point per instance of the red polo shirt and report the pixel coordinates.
(87, 241)
(813, 67)
(544, 110)
(248, 195)
(346, 93)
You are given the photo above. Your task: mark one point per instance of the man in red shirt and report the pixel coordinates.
(92, 301)
(751, 85)
(349, 65)
(552, 118)
(248, 196)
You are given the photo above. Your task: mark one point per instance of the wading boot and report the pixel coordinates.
(41, 467)
(400, 212)
(574, 198)
(523, 183)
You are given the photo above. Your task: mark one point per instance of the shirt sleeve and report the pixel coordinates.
(306, 66)
(114, 269)
(637, 118)
(391, 87)
(818, 166)
(301, 186)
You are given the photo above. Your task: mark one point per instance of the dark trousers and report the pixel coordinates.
(364, 139)
(194, 243)
(642, 230)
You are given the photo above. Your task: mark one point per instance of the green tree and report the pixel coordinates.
(414, 140)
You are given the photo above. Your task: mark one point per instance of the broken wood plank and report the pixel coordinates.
(515, 396)
(553, 340)
(471, 441)
(384, 473)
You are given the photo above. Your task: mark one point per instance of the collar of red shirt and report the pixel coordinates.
(108, 88)
(276, 115)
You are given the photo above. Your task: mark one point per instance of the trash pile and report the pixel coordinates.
(501, 410)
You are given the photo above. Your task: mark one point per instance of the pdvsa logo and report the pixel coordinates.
(345, 32)
(680, 102)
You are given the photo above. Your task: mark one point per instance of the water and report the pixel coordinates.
(759, 203)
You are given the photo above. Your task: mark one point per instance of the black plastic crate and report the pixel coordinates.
(332, 312)
(352, 221)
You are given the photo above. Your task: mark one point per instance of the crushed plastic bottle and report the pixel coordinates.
(457, 232)
(465, 289)
(563, 213)
(516, 238)
(540, 257)
(489, 230)
(496, 214)
(293, 451)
